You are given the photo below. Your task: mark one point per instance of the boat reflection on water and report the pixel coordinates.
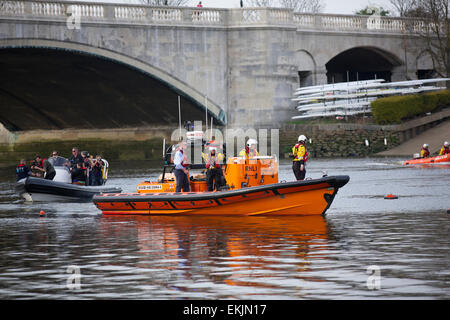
(237, 251)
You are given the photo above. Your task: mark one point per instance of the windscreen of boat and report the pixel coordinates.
(58, 161)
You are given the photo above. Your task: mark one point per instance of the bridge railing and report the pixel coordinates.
(360, 23)
(141, 14)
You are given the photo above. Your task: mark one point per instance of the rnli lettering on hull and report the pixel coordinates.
(151, 187)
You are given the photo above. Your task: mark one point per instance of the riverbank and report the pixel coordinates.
(346, 139)
(326, 139)
(112, 150)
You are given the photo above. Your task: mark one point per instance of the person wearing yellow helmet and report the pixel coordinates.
(300, 157)
(250, 149)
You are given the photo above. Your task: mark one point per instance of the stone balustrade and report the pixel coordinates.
(141, 14)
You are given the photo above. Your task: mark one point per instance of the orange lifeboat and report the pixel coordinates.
(444, 159)
(252, 189)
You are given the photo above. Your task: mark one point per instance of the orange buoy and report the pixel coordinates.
(42, 213)
(391, 196)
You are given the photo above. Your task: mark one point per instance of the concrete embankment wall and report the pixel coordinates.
(349, 139)
(112, 144)
(339, 140)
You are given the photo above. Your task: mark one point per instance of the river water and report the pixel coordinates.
(366, 247)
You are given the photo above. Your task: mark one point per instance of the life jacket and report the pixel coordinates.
(22, 171)
(300, 153)
(424, 153)
(248, 153)
(444, 150)
(212, 162)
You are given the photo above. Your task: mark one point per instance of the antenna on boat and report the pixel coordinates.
(164, 148)
(206, 113)
(210, 136)
(179, 116)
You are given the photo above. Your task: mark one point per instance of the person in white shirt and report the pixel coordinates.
(181, 173)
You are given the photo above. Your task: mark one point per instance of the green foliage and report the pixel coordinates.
(393, 110)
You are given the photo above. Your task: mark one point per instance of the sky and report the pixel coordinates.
(331, 6)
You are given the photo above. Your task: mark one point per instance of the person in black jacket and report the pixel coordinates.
(79, 174)
(96, 171)
(22, 170)
(75, 158)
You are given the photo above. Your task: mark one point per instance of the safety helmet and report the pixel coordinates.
(446, 143)
(251, 141)
(302, 138)
(425, 145)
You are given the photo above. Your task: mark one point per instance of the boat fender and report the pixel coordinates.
(261, 181)
(244, 185)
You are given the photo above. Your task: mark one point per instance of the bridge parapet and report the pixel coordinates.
(142, 14)
(359, 23)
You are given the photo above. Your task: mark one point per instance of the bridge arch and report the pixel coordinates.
(424, 66)
(93, 63)
(307, 67)
(362, 63)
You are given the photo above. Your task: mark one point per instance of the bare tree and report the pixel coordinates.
(311, 6)
(433, 27)
(403, 6)
(172, 3)
(261, 3)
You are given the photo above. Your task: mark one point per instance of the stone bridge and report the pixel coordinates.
(98, 65)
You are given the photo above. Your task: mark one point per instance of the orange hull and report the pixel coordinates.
(444, 159)
(310, 197)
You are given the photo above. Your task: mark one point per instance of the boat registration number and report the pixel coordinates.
(151, 187)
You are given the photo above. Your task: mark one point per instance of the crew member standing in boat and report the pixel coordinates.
(300, 158)
(181, 173)
(424, 152)
(250, 149)
(214, 174)
(445, 149)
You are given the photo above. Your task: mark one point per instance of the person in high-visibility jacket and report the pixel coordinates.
(445, 149)
(250, 149)
(424, 152)
(300, 157)
(214, 174)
